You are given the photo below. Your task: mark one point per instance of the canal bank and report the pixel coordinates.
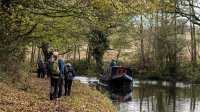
(33, 95)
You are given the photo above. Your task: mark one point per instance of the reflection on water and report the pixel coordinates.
(119, 96)
(155, 96)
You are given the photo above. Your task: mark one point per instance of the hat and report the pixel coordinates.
(68, 64)
(55, 53)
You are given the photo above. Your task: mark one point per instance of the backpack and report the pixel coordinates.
(69, 74)
(55, 71)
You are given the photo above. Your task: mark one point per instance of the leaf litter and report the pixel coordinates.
(35, 98)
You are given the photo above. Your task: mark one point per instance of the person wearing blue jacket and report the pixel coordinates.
(48, 64)
(56, 72)
(60, 81)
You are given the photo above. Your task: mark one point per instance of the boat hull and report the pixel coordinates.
(121, 81)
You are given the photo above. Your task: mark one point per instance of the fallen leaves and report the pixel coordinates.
(36, 98)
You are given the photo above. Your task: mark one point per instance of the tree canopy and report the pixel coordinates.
(155, 27)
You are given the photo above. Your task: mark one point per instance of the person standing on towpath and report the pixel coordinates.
(69, 74)
(56, 68)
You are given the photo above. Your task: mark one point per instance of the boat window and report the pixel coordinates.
(121, 71)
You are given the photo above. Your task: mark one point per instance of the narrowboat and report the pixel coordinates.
(116, 76)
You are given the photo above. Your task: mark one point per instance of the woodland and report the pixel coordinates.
(161, 36)
(158, 39)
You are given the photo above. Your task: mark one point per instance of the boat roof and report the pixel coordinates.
(116, 67)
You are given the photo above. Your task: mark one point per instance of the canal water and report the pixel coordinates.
(151, 96)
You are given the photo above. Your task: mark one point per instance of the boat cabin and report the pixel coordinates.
(116, 74)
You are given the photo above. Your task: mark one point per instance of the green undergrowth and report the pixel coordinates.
(33, 95)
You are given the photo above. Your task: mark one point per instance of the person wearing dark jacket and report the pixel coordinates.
(41, 69)
(113, 63)
(69, 74)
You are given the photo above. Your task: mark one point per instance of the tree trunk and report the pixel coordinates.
(75, 47)
(193, 38)
(174, 51)
(45, 50)
(79, 53)
(33, 53)
(118, 54)
(150, 34)
(39, 54)
(32, 48)
(142, 43)
(99, 44)
(88, 54)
